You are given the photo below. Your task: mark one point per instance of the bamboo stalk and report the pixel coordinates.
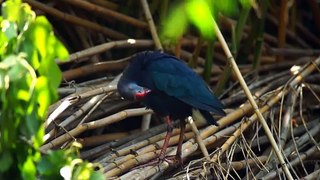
(76, 20)
(152, 26)
(119, 144)
(295, 161)
(155, 141)
(94, 125)
(129, 43)
(107, 13)
(83, 71)
(198, 137)
(283, 20)
(99, 139)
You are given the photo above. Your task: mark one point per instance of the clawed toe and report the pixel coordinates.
(173, 160)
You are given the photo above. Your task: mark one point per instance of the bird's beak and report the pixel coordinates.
(140, 94)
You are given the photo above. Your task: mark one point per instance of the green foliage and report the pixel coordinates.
(29, 78)
(198, 13)
(68, 164)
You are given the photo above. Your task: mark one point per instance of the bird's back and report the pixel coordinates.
(166, 75)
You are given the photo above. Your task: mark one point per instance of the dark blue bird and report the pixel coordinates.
(170, 88)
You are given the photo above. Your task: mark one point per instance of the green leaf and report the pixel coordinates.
(51, 70)
(23, 95)
(43, 95)
(17, 72)
(49, 166)
(26, 16)
(10, 10)
(40, 32)
(32, 54)
(200, 15)
(246, 3)
(175, 24)
(96, 176)
(226, 7)
(60, 51)
(3, 43)
(29, 169)
(9, 29)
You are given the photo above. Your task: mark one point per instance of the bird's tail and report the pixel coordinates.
(203, 116)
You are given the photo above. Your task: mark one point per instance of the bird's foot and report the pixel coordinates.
(172, 160)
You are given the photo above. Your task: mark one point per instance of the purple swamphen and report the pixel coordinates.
(171, 89)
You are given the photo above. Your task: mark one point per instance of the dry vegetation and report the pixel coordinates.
(281, 68)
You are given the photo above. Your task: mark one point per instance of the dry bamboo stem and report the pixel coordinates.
(152, 26)
(198, 138)
(73, 99)
(130, 163)
(283, 21)
(83, 71)
(129, 43)
(155, 140)
(312, 176)
(77, 97)
(305, 155)
(144, 173)
(191, 146)
(99, 139)
(251, 99)
(94, 125)
(120, 143)
(76, 20)
(225, 121)
(107, 12)
(238, 165)
(294, 52)
(120, 162)
(106, 4)
(287, 118)
(76, 115)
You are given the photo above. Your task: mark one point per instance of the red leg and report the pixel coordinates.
(179, 149)
(167, 138)
(162, 156)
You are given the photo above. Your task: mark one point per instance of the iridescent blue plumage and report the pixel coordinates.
(173, 88)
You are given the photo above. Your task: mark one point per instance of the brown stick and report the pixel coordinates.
(75, 20)
(107, 12)
(152, 26)
(93, 125)
(95, 68)
(283, 20)
(130, 43)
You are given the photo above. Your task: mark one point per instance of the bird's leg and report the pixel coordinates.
(162, 156)
(177, 159)
(179, 149)
(167, 138)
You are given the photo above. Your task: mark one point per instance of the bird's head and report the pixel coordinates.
(132, 91)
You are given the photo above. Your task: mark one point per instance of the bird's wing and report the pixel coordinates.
(176, 79)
